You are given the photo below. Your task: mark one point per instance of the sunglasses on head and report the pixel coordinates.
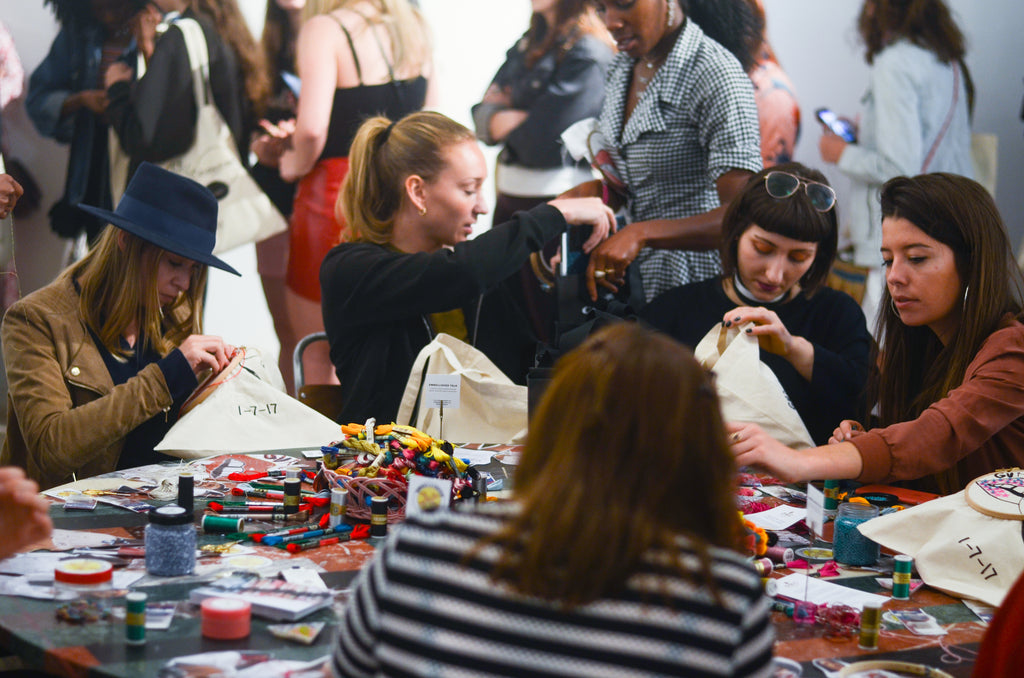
(784, 185)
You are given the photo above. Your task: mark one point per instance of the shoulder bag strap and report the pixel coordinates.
(949, 118)
(199, 59)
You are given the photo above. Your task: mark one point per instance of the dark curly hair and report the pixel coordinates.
(735, 24)
(79, 12)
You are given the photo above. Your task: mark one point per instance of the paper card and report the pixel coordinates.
(442, 389)
(427, 494)
(815, 517)
(802, 587)
(472, 456)
(777, 518)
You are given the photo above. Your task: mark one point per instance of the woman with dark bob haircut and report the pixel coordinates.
(952, 360)
(778, 243)
(617, 557)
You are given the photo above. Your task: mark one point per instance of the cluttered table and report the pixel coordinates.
(68, 638)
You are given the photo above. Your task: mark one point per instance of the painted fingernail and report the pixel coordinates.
(737, 319)
(727, 323)
(749, 330)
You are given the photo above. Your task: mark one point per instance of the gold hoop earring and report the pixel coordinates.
(423, 211)
(966, 290)
(892, 305)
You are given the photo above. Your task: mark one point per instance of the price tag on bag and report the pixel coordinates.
(442, 390)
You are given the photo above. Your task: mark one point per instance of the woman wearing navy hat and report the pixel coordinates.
(100, 360)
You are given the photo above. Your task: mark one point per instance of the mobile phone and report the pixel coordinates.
(841, 127)
(573, 260)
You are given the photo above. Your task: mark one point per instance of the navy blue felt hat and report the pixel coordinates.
(170, 211)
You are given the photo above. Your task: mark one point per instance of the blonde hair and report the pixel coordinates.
(405, 26)
(109, 305)
(382, 155)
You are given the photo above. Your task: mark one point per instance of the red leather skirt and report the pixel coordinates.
(313, 228)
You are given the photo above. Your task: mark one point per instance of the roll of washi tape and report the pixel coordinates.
(780, 554)
(225, 618)
(901, 577)
(379, 517)
(222, 524)
(763, 566)
(135, 618)
(339, 502)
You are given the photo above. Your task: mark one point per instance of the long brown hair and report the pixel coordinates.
(627, 452)
(916, 370)
(110, 302)
(231, 26)
(382, 155)
(573, 20)
(277, 41)
(926, 23)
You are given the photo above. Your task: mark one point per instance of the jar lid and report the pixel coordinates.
(83, 571)
(170, 515)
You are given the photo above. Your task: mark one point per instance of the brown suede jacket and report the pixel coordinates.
(64, 413)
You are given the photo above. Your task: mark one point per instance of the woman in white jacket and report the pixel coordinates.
(916, 115)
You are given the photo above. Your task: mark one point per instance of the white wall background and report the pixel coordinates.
(815, 41)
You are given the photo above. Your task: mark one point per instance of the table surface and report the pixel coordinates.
(30, 629)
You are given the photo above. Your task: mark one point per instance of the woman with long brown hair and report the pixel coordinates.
(619, 555)
(155, 117)
(951, 367)
(100, 360)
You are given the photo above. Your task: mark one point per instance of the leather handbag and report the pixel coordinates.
(245, 213)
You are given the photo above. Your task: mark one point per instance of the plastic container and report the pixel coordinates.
(83, 577)
(170, 542)
(849, 546)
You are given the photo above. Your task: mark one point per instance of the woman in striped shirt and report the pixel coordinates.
(617, 557)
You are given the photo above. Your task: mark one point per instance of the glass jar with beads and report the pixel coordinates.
(170, 542)
(849, 546)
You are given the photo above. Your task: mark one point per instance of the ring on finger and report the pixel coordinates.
(736, 437)
(599, 274)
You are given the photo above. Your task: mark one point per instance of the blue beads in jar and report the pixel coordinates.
(170, 542)
(849, 546)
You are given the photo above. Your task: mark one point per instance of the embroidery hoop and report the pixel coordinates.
(213, 380)
(985, 503)
(858, 668)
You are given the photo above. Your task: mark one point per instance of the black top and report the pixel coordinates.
(376, 299)
(831, 320)
(181, 381)
(353, 105)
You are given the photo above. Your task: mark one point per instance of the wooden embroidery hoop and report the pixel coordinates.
(983, 503)
(213, 380)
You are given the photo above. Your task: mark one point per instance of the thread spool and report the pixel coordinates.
(226, 618)
(870, 621)
(222, 524)
(186, 491)
(763, 566)
(379, 517)
(135, 618)
(902, 566)
(339, 502)
(292, 490)
(831, 492)
(780, 554)
(293, 472)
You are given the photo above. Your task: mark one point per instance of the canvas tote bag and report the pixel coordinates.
(968, 544)
(245, 214)
(245, 409)
(747, 388)
(492, 408)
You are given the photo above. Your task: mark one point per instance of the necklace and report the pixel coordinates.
(647, 73)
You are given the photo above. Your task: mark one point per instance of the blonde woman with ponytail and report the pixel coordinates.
(355, 58)
(408, 269)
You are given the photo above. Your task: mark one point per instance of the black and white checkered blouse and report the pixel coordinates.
(696, 121)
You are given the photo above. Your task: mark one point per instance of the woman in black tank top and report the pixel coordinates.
(356, 58)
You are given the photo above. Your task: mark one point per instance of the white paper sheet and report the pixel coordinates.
(819, 592)
(777, 518)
